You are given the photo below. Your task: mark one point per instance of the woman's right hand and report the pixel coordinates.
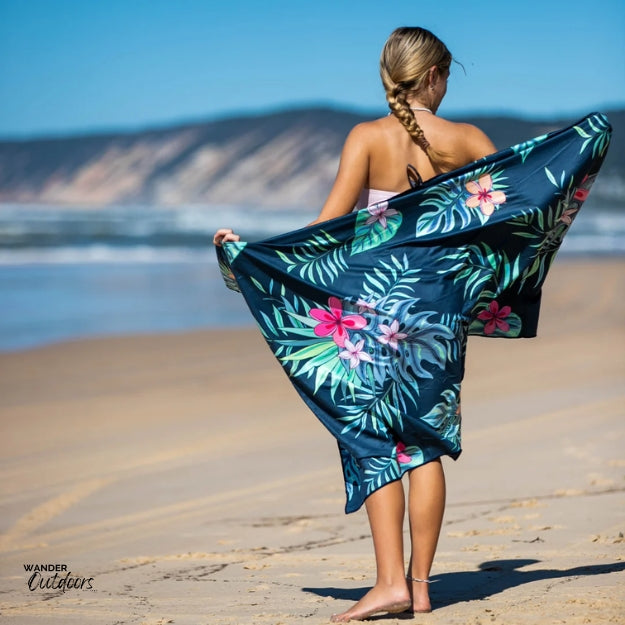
(223, 235)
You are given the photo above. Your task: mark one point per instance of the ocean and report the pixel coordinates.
(72, 273)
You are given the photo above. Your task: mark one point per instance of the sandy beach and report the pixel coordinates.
(180, 479)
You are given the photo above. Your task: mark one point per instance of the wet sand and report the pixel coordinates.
(182, 477)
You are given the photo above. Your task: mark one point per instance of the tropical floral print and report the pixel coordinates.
(461, 202)
(495, 318)
(334, 323)
(380, 213)
(402, 457)
(369, 314)
(374, 226)
(391, 334)
(483, 195)
(524, 149)
(596, 132)
(355, 353)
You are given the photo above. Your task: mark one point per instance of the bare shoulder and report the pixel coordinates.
(475, 140)
(363, 137)
(471, 131)
(366, 131)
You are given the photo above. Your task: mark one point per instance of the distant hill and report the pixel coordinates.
(282, 159)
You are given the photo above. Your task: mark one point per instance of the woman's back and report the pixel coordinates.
(377, 154)
(391, 149)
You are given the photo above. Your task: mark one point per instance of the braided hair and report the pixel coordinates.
(407, 56)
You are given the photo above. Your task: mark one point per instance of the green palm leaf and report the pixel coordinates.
(319, 260)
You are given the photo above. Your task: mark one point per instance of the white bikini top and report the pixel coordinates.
(368, 197)
(373, 196)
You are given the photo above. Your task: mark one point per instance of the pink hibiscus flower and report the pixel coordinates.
(379, 212)
(391, 334)
(483, 195)
(355, 354)
(333, 322)
(401, 456)
(494, 316)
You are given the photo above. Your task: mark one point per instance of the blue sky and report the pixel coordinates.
(71, 66)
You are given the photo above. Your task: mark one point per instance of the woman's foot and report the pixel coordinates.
(420, 593)
(390, 599)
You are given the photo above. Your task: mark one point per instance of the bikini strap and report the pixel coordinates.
(414, 178)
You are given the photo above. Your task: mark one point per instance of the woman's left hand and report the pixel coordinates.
(223, 235)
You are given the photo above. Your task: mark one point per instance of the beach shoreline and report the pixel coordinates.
(184, 476)
(49, 304)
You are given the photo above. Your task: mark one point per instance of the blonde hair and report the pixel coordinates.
(406, 59)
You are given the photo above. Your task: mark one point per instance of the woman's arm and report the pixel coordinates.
(351, 177)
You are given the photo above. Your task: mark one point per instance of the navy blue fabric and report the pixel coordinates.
(369, 313)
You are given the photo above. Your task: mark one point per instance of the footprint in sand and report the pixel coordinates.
(527, 503)
(596, 479)
(490, 548)
(608, 540)
(500, 532)
(503, 519)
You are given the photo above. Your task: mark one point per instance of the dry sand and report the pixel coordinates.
(186, 477)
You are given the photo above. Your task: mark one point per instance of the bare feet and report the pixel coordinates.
(391, 599)
(420, 595)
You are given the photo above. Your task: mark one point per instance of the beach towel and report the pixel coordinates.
(369, 313)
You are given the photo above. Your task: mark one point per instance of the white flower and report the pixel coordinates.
(379, 212)
(354, 353)
(364, 306)
(390, 334)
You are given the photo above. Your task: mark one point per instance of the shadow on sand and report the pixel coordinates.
(492, 578)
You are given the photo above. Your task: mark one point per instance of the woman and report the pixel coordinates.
(380, 159)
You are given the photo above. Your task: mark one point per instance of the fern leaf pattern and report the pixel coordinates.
(369, 314)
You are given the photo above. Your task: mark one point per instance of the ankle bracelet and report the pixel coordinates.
(416, 579)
